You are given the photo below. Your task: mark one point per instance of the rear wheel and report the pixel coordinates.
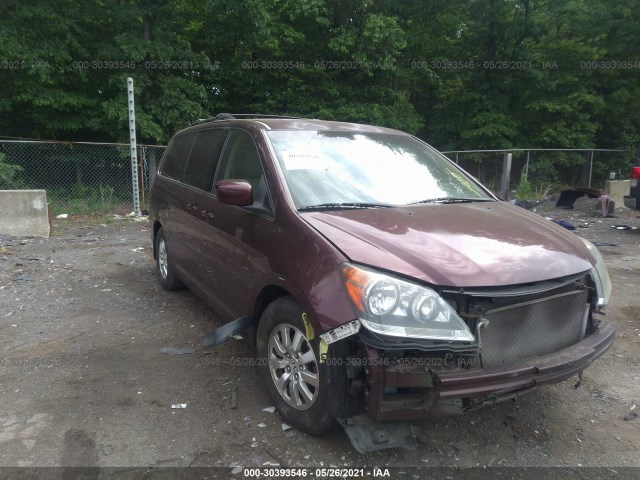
(291, 369)
(168, 280)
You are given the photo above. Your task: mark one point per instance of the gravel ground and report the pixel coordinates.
(84, 380)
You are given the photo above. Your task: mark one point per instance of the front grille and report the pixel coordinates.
(519, 332)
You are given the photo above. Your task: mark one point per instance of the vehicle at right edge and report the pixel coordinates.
(633, 199)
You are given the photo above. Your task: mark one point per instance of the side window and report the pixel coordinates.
(176, 156)
(241, 161)
(204, 158)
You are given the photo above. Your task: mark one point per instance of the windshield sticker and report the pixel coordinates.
(304, 161)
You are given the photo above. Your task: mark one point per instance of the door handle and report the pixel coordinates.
(191, 207)
(206, 214)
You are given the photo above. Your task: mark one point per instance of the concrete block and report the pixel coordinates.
(24, 213)
(617, 189)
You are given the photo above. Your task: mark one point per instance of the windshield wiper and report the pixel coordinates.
(344, 205)
(455, 200)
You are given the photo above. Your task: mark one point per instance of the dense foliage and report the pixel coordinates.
(461, 74)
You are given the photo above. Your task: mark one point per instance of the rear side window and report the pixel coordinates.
(176, 157)
(204, 158)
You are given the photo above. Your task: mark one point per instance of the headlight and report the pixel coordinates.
(390, 306)
(600, 274)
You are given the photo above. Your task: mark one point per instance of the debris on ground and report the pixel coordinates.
(269, 409)
(568, 197)
(63, 215)
(179, 405)
(286, 427)
(607, 204)
(565, 224)
(623, 227)
(632, 413)
(21, 278)
(528, 204)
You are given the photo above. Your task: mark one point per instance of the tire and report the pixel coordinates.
(298, 384)
(167, 279)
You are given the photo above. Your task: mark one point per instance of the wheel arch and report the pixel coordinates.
(268, 295)
(156, 227)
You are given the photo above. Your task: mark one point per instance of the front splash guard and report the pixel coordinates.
(228, 330)
(368, 436)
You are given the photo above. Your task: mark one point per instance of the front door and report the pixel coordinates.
(232, 258)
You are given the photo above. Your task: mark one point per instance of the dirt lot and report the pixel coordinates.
(83, 380)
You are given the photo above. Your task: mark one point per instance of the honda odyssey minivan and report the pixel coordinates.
(374, 275)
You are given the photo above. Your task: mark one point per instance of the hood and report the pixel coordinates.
(481, 244)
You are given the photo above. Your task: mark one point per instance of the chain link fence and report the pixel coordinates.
(79, 177)
(555, 169)
(90, 178)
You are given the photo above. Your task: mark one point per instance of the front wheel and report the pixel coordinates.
(290, 367)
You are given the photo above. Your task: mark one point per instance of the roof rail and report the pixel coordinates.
(232, 116)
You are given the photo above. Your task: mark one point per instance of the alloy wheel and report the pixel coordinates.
(293, 366)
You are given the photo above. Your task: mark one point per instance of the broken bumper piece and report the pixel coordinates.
(341, 332)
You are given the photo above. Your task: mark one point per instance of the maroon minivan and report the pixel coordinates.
(375, 275)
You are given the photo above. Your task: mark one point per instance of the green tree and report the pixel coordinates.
(461, 74)
(77, 57)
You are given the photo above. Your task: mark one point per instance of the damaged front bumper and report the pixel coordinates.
(407, 388)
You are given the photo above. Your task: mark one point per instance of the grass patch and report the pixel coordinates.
(83, 200)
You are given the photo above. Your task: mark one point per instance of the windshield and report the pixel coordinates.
(325, 168)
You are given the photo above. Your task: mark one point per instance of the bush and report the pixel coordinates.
(8, 175)
(523, 190)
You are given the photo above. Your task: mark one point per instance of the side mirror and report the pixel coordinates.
(234, 192)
